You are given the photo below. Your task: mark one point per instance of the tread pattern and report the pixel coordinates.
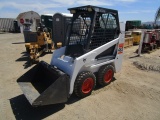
(79, 81)
(101, 73)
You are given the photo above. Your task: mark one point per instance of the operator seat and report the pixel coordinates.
(74, 50)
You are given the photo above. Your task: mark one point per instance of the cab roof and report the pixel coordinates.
(94, 8)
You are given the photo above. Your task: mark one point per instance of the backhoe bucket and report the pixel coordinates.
(44, 85)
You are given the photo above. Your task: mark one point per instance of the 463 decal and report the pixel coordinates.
(120, 48)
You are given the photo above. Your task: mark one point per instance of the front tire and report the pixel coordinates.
(84, 84)
(105, 75)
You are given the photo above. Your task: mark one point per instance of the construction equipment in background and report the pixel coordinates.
(128, 42)
(93, 53)
(128, 34)
(128, 39)
(132, 28)
(37, 42)
(157, 34)
(136, 34)
(149, 41)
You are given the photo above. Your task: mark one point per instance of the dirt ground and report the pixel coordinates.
(133, 95)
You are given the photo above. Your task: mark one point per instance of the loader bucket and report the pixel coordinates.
(44, 85)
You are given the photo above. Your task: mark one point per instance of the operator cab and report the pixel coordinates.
(91, 27)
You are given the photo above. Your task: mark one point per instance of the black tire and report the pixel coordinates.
(27, 50)
(105, 75)
(84, 84)
(154, 46)
(151, 48)
(34, 61)
(49, 46)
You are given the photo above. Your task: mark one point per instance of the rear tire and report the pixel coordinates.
(84, 84)
(105, 75)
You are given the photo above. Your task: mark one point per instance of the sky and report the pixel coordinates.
(143, 10)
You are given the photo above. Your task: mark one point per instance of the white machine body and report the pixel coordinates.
(87, 62)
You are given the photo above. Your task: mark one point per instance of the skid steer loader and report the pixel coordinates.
(92, 55)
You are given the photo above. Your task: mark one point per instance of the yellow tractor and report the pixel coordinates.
(38, 42)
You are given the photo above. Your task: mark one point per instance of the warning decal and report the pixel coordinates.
(120, 48)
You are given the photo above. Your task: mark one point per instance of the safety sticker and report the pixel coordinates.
(120, 48)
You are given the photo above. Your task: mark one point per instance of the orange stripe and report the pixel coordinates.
(121, 44)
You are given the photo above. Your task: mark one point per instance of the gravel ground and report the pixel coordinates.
(133, 95)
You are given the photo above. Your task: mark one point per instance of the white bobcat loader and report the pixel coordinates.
(93, 53)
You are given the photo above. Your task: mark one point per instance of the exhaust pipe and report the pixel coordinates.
(44, 84)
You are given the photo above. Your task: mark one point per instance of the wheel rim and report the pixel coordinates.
(108, 76)
(87, 85)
